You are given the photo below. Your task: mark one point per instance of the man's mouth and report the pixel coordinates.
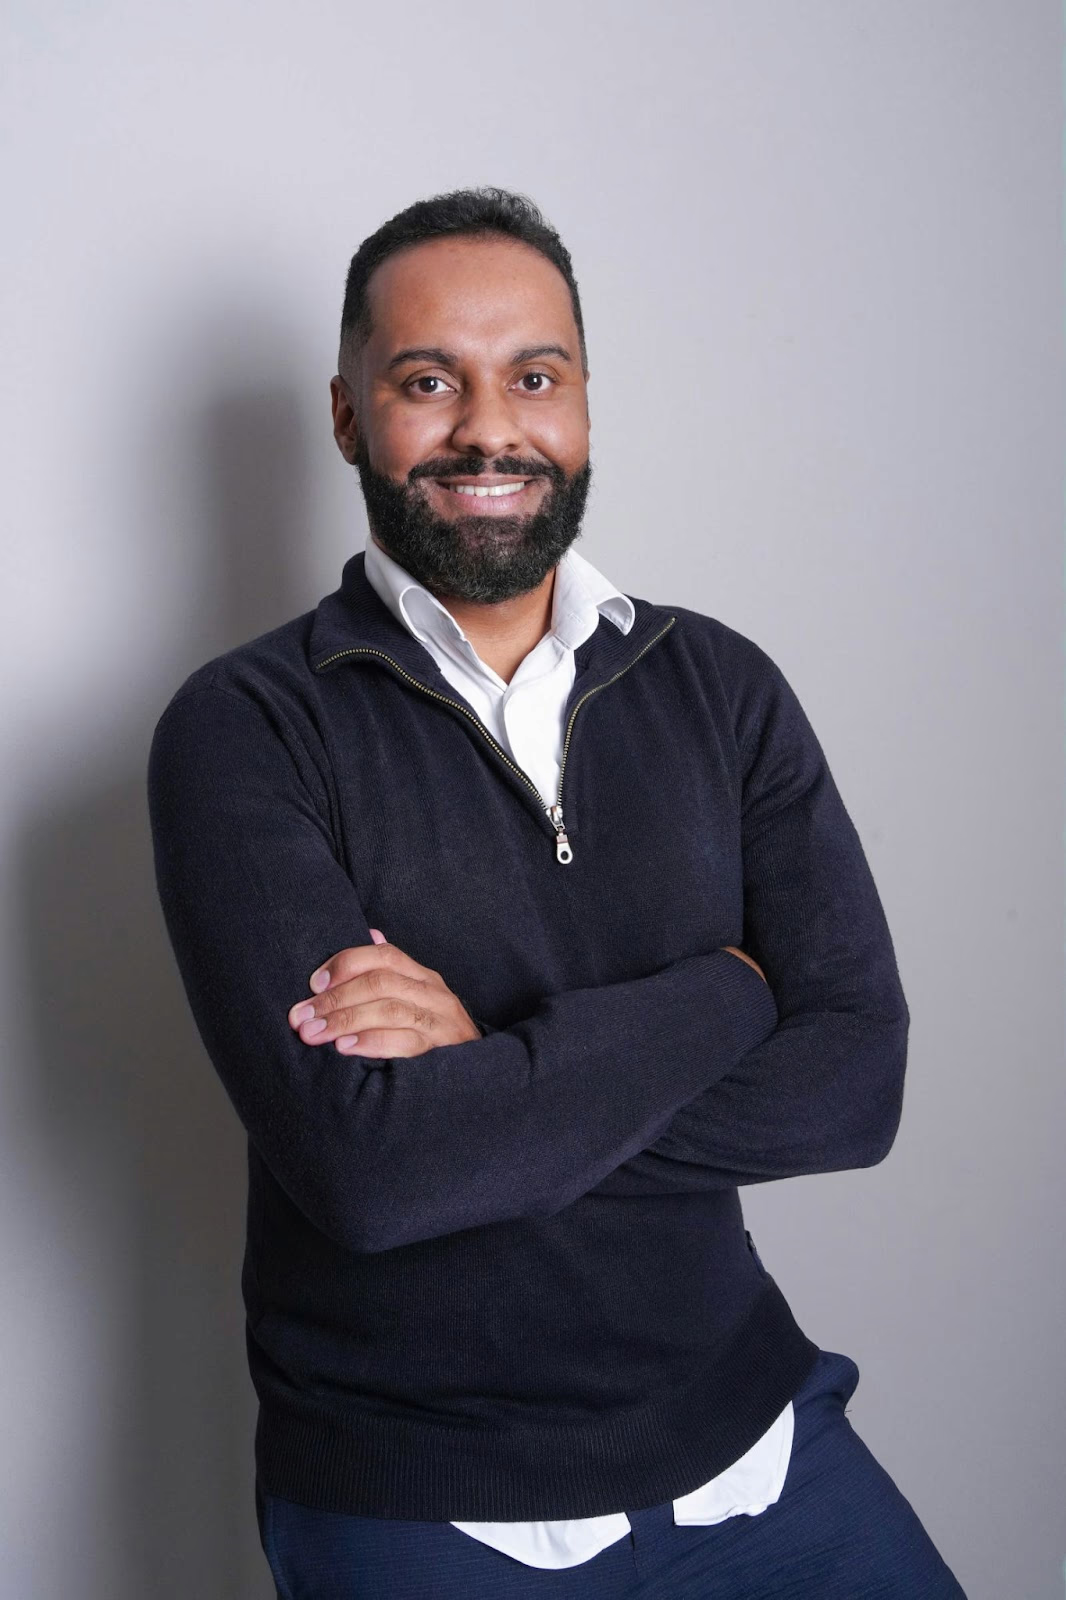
(482, 491)
(496, 495)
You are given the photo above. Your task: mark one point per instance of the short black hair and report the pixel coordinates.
(462, 211)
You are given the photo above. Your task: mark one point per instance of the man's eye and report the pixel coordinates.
(538, 382)
(427, 378)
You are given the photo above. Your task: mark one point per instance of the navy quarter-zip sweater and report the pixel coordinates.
(509, 1279)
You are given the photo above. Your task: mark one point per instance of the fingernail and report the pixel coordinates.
(301, 1013)
(346, 1041)
(309, 1029)
(320, 980)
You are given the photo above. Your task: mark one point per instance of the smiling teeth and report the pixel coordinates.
(498, 488)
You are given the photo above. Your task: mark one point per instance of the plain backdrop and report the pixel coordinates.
(819, 244)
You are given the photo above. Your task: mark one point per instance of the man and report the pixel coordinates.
(457, 869)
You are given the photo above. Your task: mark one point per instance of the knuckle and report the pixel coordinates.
(395, 1045)
(340, 965)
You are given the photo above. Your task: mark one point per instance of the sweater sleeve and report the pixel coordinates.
(379, 1153)
(824, 1091)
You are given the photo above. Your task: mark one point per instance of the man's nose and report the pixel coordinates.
(487, 424)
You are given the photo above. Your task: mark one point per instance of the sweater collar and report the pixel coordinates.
(354, 620)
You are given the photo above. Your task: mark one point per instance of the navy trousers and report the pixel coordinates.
(840, 1531)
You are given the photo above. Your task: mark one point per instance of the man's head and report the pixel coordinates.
(462, 367)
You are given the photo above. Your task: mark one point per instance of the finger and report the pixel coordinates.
(383, 1043)
(349, 963)
(378, 983)
(333, 970)
(381, 1011)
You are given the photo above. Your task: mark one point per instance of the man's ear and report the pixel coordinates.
(345, 428)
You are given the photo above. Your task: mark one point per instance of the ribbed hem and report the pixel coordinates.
(376, 1466)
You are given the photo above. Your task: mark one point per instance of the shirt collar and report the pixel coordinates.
(353, 625)
(581, 594)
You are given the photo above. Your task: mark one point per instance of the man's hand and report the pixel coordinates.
(373, 1000)
(734, 951)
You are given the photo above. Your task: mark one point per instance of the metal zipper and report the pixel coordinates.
(563, 853)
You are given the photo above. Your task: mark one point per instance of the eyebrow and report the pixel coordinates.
(447, 358)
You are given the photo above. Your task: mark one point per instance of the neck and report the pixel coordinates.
(503, 634)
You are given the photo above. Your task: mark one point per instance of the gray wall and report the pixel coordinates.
(820, 250)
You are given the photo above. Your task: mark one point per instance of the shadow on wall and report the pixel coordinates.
(125, 1100)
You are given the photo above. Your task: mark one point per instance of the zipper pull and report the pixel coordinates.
(563, 851)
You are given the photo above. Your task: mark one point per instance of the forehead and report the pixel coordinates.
(474, 293)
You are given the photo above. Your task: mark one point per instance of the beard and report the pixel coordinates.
(486, 559)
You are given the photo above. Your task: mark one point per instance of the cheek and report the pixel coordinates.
(405, 436)
(563, 437)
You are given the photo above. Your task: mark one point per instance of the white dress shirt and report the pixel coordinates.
(525, 716)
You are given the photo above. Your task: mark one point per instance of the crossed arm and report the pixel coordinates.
(699, 1075)
(824, 1091)
(400, 1007)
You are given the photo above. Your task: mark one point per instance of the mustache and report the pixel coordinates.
(471, 466)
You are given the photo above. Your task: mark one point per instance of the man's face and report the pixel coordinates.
(471, 380)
